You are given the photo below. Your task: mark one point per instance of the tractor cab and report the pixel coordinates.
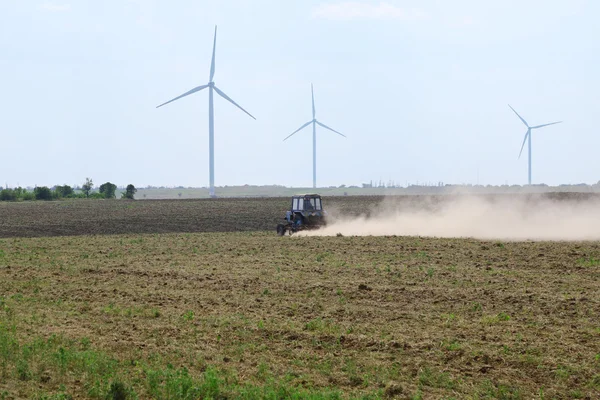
(306, 212)
(308, 202)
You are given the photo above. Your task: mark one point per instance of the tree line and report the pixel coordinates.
(107, 190)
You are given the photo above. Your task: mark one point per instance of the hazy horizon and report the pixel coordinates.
(421, 89)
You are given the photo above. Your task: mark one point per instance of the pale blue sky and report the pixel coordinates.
(419, 87)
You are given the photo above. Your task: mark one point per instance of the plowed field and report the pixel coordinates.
(253, 315)
(98, 217)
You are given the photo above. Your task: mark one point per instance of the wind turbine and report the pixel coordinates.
(314, 123)
(211, 117)
(528, 136)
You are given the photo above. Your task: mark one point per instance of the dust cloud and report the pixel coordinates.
(508, 218)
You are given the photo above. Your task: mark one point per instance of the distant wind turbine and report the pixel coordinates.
(314, 123)
(528, 136)
(211, 117)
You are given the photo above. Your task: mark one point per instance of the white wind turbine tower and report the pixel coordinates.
(528, 136)
(211, 117)
(314, 123)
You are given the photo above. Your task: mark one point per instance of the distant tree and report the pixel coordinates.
(108, 190)
(42, 193)
(86, 188)
(8, 195)
(27, 196)
(63, 191)
(19, 192)
(129, 192)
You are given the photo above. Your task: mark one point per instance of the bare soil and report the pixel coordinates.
(196, 285)
(401, 317)
(99, 217)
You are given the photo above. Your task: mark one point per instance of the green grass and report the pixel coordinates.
(435, 379)
(104, 377)
(589, 262)
(188, 315)
(495, 319)
(490, 390)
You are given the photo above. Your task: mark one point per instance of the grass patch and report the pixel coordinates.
(495, 319)
(105, 377)
(435, 379)
(589, 262)
(490, 390)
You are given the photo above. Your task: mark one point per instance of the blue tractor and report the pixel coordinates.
(306, 213)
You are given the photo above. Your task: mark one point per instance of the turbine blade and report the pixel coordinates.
(299, 129)
(212, 63)
(194, 90)
(524, 140)
(223, 95)
(521, 118)
(541, 126)
(313, 99)
(326, 127)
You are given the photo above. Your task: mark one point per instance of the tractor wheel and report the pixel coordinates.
(280, 229)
